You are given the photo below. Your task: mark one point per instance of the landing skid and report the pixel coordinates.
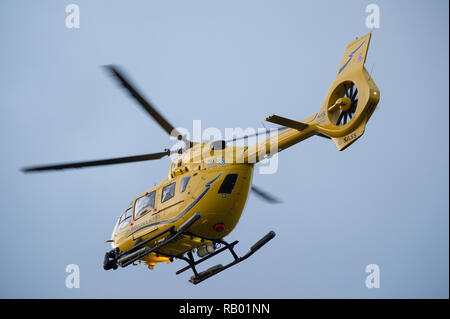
(214, 270)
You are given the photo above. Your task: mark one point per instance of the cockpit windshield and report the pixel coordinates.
(125, 218)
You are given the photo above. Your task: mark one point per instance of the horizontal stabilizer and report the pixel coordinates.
(286, 122)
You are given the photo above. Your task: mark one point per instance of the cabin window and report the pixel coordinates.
(125, 219)
(228, 184)
(184, 183)
(144, 204)
(167, 192)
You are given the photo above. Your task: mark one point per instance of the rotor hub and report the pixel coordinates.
(344, 103)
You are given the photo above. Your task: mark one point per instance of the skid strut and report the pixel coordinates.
(199, 277)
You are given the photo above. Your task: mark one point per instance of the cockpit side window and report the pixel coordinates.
(228, 184)
(144, 204)
(167, 192)
(184, 183)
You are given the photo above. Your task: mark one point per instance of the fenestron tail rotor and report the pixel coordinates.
(343, 104)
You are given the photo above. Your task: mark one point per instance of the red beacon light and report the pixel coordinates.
(219, 227)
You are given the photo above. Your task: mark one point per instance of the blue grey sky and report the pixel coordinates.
(231, 63)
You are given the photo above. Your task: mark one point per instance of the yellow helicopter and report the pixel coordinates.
(202, 199)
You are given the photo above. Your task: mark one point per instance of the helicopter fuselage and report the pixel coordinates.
(206, 184)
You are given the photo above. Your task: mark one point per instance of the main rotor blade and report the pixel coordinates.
(268, 131)
(265, 195)
(117, 160)
(151, 110)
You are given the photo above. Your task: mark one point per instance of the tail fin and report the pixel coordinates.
(354, 56)
(351, 99)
